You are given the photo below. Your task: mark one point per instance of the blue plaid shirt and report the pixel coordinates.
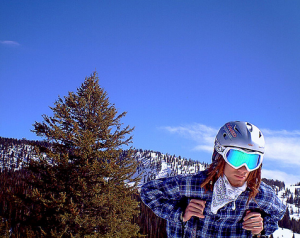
(168, 198)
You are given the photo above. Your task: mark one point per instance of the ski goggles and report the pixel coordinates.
(237, 158)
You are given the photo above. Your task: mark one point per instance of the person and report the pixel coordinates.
(226, 200)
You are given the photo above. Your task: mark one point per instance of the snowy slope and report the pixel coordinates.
(153, 165)
(287, 193)
(284, 233)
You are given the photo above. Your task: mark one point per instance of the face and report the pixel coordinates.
(236, 177)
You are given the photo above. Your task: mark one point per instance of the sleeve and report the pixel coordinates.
(163, 197)
(275, 213)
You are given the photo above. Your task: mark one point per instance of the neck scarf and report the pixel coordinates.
(225, 193)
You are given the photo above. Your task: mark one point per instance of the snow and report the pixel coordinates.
(155, 165)
(285, 233)
(296, 211)
(165, 170)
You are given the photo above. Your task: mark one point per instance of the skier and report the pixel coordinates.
(226, 200)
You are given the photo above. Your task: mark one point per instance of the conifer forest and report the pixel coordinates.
(82, 179)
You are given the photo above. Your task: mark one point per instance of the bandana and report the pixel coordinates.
(225, 193)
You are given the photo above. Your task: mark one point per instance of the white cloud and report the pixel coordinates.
(9, 42)
(289, 179)
(283, 145)
(203, 135)
(280, 145)
(281, 133)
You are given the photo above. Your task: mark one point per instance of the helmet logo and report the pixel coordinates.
(229, 130)
(250, 144)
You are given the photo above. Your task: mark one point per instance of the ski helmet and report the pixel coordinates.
(242, 135)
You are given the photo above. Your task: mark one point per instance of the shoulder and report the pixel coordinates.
(193, 178)
(178, 182)
(190, 185)
(266, 189)
(268, 199)
(265, 192)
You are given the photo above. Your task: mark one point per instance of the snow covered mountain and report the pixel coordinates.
(155, 165)
(291, 197)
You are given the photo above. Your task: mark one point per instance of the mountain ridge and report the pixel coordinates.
(152, 165)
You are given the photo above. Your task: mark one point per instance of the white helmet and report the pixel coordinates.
(243, 135)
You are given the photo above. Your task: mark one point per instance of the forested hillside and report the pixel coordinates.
(14, 155)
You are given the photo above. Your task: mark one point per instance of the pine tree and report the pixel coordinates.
(285, 222)
(84, 184)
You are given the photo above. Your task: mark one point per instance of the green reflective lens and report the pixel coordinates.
(238, 158)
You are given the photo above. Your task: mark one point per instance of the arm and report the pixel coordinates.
(275, 213)
(163, 197)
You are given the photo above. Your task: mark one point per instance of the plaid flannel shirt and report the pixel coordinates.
(168, 198)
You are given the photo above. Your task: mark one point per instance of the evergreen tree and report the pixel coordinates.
(285, 221)
(84, 184)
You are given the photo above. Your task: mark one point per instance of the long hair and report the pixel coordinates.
(216, 169)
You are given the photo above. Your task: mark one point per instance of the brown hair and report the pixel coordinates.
(216, 169)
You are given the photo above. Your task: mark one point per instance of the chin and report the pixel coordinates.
(237, 183)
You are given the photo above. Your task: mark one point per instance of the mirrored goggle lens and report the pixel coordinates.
(238, 158)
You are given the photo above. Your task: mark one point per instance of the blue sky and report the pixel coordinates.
(181, 69)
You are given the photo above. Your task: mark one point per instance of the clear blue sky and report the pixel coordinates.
(181, 69)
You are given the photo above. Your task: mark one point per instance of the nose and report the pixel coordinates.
(243, 169)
